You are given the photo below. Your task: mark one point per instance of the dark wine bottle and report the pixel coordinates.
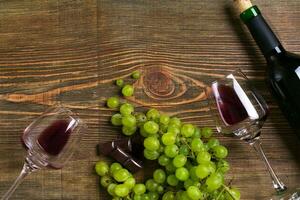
(283, 73)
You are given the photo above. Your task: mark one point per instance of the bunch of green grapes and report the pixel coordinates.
(192, 162)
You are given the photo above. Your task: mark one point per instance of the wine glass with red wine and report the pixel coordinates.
(50, 141)
(239, 110)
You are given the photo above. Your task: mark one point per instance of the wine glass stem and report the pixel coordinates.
(277, 184)
(27, 169)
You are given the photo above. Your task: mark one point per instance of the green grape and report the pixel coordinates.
(137, 197)
(168, 196)
(173, 129)
(143, 132)
(203, 157)
(163, 160)
(175, 121)
(233, 194)
(101, 168)
(136, 75)
(163, 128)
(179, 160)
(223, 166)
(145, 197)
(140, 118)
(170, 167)
(111, 189)
(187, 130)
(182, 174)
(178, 195)
(171, 150)
(188, 183)
(214, 181)
(212, 167)
(114, 167)
(206, 132)
(188, 165)
(129, 121)
(128, 131)
(202, 171)
(212, 142)
(121, 175)
(161, 149)
(185, 196)
(153, 195)
(184, 150)
(205, 147)
(160, 189)
(172, 180)
(164, 119)
(168, 138)
(121, 190)
(151, 127)
(151, 143)
(139, 189)
(116, 198)
(193, 174)
(194, 193)
(116, 119)
(153, 114)
(151, 155)
(159, 176)
(151, 185)
(130, 182)
(128, 90)
(120, 82)
(220, 151)
(197, 133)
(196, 145)
(126, 109)
(105, 181)
(178, 141)
(113, 102)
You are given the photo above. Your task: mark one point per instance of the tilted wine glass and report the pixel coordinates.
(239, 109)
(50, 141)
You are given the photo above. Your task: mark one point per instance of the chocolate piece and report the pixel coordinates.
(120, 149)
(138, 147)
(106, 148)
(133, 165)
(125, 144)
(120, 155)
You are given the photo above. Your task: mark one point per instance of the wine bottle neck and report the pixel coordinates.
(261, 32)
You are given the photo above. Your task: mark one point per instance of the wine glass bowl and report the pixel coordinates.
(52, 138)
(239, 110)
(237, 107)
(50, 141)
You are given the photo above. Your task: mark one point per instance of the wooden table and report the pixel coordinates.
(70, 52)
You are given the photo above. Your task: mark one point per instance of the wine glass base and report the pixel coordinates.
(289, 194)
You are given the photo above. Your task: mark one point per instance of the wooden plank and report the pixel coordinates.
(69, 52)
(48, 55)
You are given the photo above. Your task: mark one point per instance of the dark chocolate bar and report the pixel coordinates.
(133, 165)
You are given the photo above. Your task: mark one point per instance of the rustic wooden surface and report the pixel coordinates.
(70, 51)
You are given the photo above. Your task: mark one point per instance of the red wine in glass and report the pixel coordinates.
(50, 141)
(55, 137)
(229, 104)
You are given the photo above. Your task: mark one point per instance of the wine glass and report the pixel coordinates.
(239, 110)
(50, 141)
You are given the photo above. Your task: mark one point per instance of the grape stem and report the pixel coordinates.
(222, 191)
(193, 155)
(228, 191)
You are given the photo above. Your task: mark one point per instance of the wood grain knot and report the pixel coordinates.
(159, 83)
